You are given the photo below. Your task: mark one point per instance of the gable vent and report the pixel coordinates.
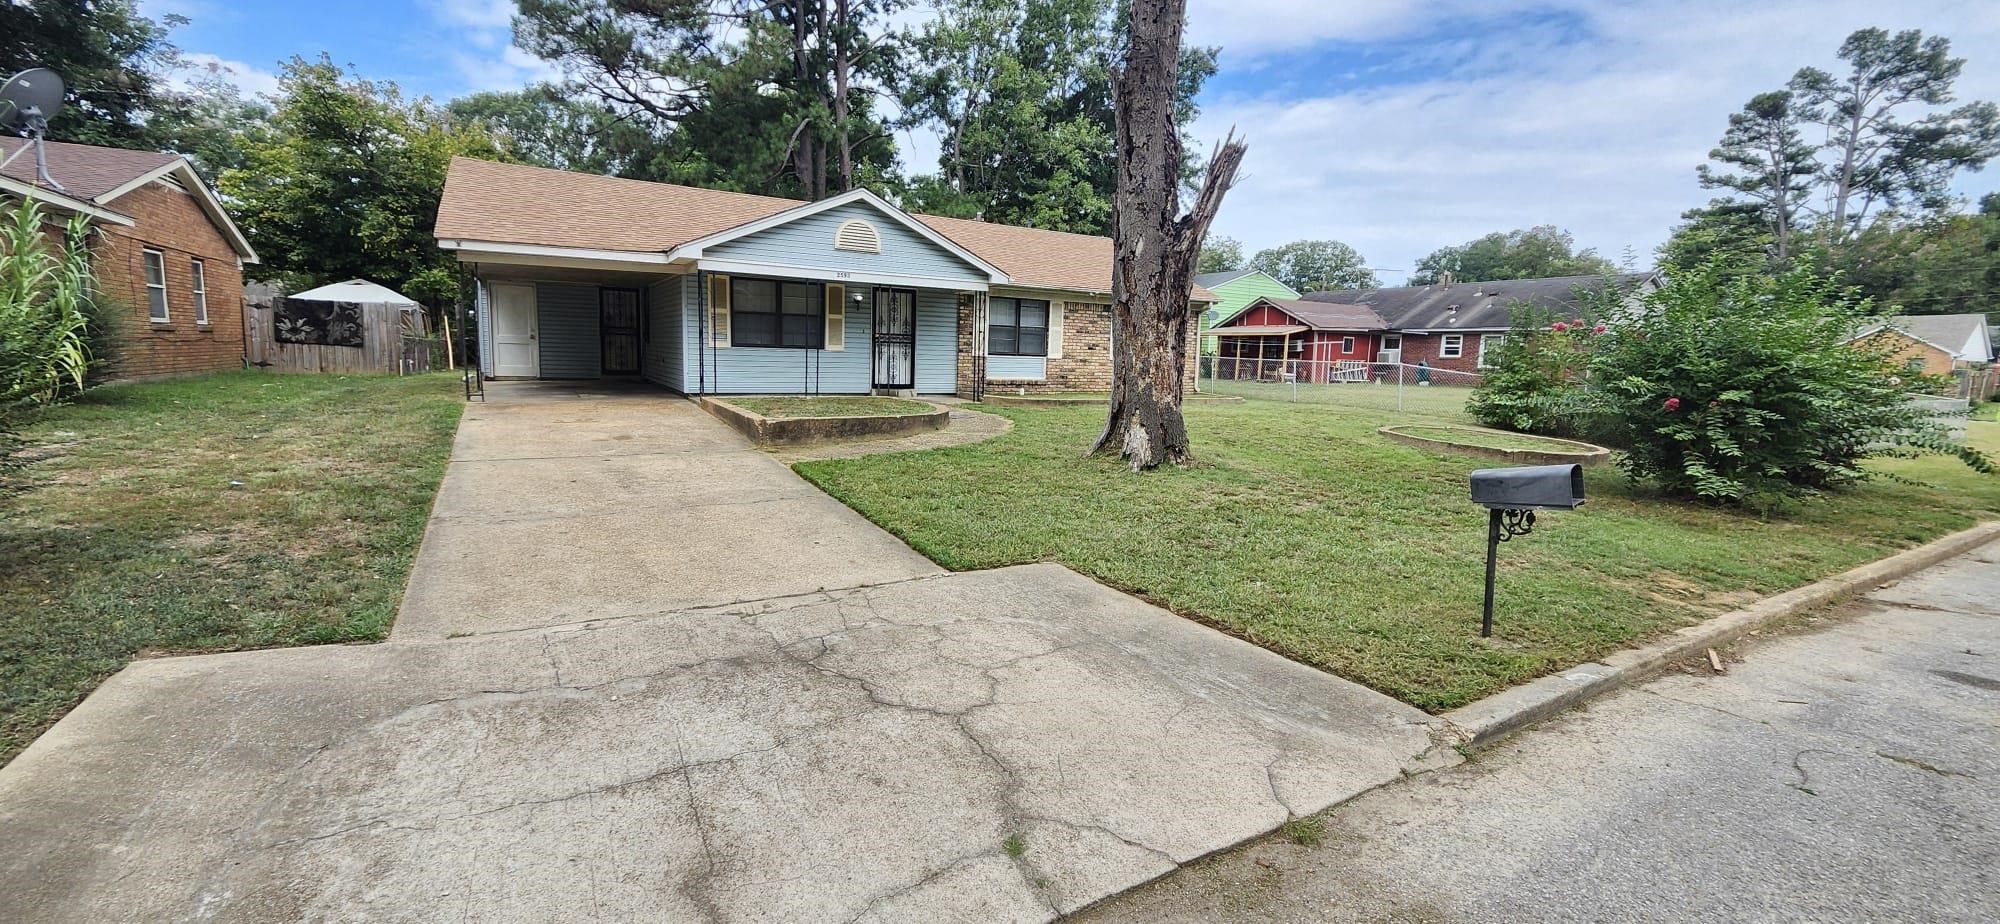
(855, 234)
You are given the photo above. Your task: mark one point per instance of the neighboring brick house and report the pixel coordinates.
(167, 255)
(712, 292)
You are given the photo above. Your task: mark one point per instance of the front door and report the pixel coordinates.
(516, 352)
(618, 322)
(895, 338)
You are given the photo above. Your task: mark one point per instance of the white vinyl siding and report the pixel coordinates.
(200, 290)
(156, 286)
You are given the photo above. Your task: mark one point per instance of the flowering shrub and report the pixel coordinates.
(1530, 383)
(1726, 386)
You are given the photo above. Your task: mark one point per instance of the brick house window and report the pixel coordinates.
(200, 291)
(156, 286)
(1017, 327)
(1451, 346)
(1489, 343)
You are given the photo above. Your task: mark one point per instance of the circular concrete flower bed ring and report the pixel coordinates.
(781, 431)
(1046, 400)
(1522, 448)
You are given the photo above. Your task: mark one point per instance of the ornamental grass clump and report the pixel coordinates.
(1725, 386)
(47, 294)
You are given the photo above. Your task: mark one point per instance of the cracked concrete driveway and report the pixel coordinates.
(823, 739)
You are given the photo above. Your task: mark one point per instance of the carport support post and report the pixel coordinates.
(1492, 556)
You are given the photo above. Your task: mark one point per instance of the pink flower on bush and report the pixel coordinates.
(1559, 327)
(1672, 404)
(1599, 329)
(1576, 323)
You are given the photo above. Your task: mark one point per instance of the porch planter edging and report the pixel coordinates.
(786, 431)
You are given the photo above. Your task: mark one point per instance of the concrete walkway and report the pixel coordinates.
(700, 692)
(1850, 772)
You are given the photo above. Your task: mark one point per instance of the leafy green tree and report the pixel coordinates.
(1020, 95)
(544, 126)
(1948, 264)
(1316, 266)
(212, 123)
(1539, 252)
(1220, 254)
(1874, 156)
(109, 54)
(770, 97)
(1763, 159)
(347, 184)
(1731, 235)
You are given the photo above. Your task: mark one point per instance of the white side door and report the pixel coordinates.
(516, 351)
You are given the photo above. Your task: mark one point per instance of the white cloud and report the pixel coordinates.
(478, 14)
(1591, 119)
(253, 81)
(484, 29)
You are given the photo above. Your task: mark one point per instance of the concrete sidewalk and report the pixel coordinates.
(1850, 772)
(645, 673)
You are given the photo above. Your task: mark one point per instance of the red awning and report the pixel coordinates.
(1256, 330)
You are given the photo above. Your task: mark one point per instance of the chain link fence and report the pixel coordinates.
(1419, 390)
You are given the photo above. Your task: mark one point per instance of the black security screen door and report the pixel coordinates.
(618, 320)
(895, 338)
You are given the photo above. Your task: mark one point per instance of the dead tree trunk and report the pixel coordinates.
(1153, 245)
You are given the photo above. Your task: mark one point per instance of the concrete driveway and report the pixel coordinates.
(702, 692)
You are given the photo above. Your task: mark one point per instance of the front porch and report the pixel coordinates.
(697, 332)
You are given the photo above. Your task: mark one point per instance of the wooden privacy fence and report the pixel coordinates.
(394, 338)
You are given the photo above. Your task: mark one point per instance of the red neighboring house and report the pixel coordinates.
(1452, 326)
(167, 254)
(1276, 338)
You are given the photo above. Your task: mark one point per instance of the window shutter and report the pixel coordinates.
(718, 311)
(1055, 329)
(836, 316)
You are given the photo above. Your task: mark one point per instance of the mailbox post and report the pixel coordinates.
(1511, 496)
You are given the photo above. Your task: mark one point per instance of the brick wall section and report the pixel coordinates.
(1418, 347)
(1085, 363)
(170, 221)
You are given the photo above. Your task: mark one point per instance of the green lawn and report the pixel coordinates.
(1306, 531)
(228, 511)
(1409, 400)
(829, 406)
(1487, 439)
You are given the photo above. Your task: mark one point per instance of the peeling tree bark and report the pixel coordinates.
(1154, 245)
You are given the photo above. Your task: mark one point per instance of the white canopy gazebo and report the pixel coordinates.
(358, 290)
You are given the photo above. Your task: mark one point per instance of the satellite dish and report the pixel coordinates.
(28, 100)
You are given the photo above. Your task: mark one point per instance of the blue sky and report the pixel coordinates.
(1395, 125)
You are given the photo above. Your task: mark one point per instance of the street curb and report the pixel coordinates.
(1503, 713)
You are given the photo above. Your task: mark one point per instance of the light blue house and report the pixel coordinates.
(705, 292)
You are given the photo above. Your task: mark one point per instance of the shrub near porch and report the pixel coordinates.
(1303, 530)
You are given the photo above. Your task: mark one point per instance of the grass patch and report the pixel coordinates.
(1015, 845)
(1305, 832)
(240, 510)
(1443, 401)
(1489, 439)
(830, 406)
(1304, 530)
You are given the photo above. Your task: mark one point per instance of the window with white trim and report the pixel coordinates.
(1489, 343)
(200, 290)
(1392, 342)
(769, 313)
(1347, 346)
(1017, 327)
(1451, 346)
(156, 286)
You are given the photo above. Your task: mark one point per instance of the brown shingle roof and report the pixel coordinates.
(86, 171)
(514, 204)
(1325, 315)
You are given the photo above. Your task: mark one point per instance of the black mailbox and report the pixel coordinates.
(1529, 487)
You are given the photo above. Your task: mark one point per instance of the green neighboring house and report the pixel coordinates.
(1235, 290)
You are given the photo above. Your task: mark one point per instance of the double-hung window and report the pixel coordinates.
(1017, 327)
(1451, 346)
(1489, 343)
(156, 286)
(769, 313)
(200, 291)
(1346, 346)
